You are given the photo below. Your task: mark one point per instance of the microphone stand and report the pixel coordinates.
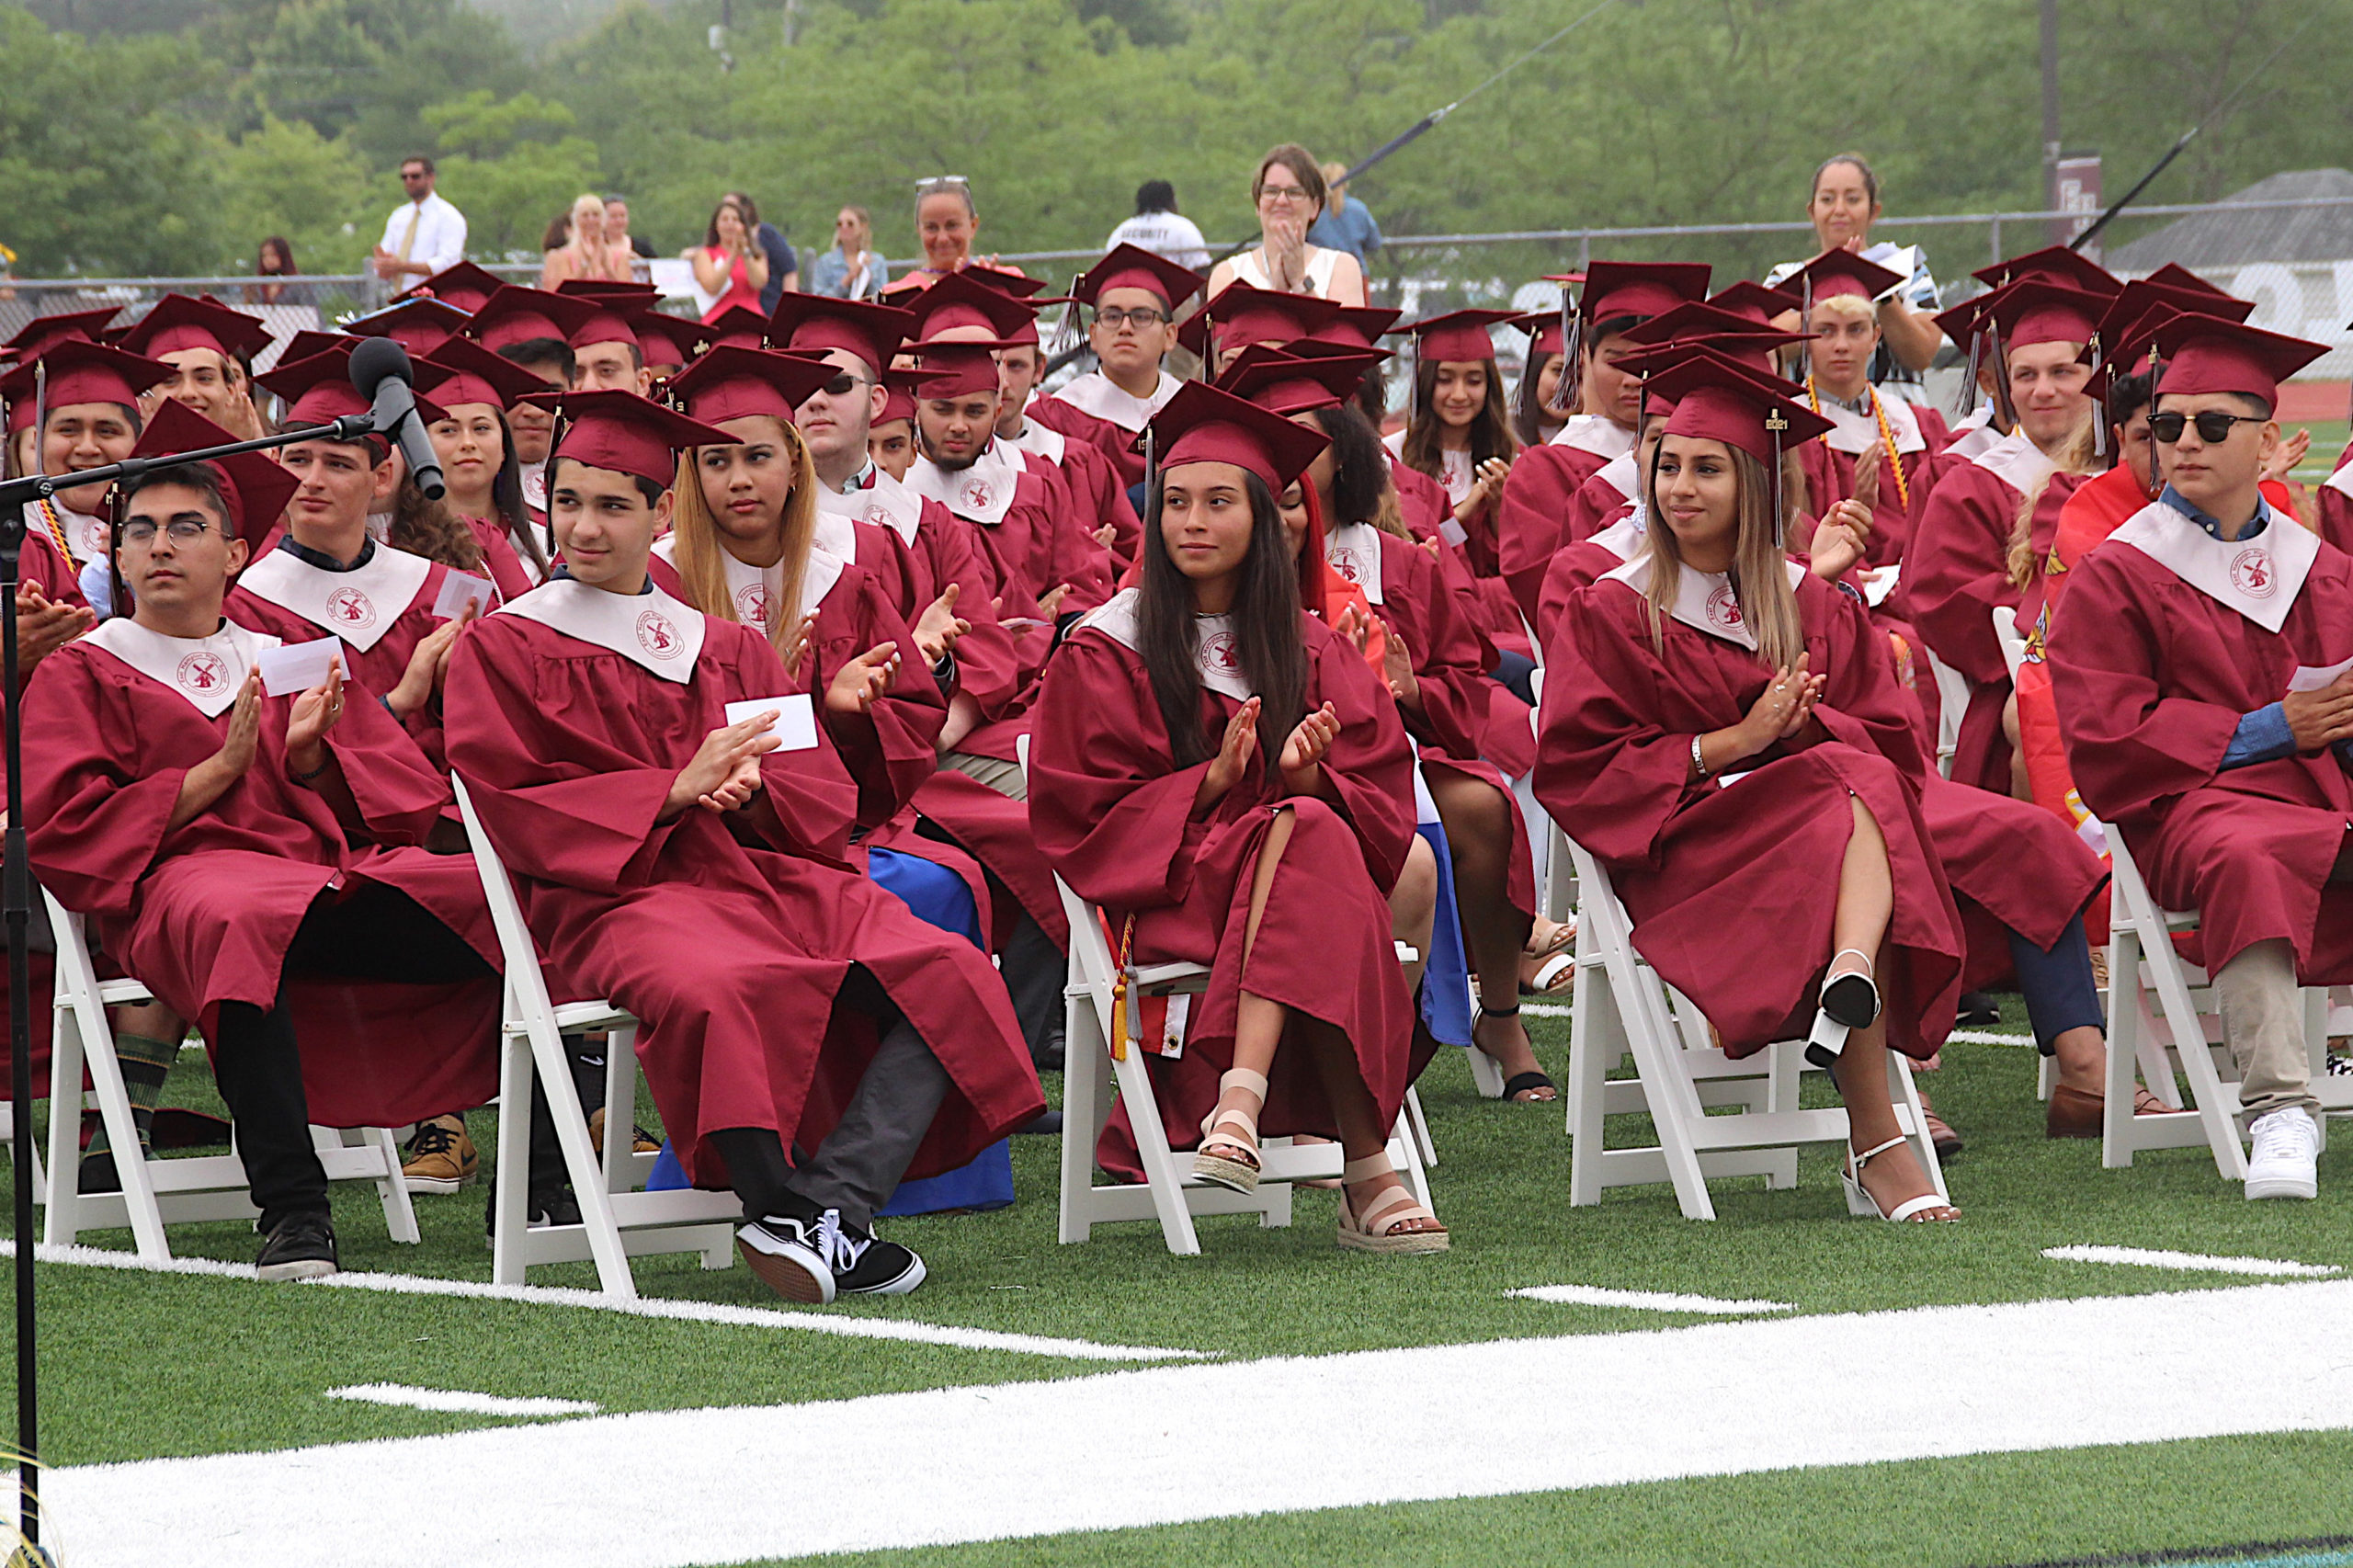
(16, 909)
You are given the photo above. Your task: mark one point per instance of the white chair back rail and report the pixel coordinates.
(618, 1221)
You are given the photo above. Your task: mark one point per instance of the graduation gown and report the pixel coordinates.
(1533, 514)
(1116, 817)
(1421, 501)
(1406, 589)
(1956, 572)
(1733, 884)
(1093, 482)
(2333, 503)
(205, 913)
(1829, 464)
(733, 955)
(1093, 409)
(2168, 637)
(1025, 530)
(43, 563)
(501, 562)
(381, 610)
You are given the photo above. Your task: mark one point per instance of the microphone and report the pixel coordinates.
(381, 370)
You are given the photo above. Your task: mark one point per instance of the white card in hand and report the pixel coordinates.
(460, 590)
(2317, 677)
(294, 667)
(796, 722)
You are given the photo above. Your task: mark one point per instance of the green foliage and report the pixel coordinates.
(285, 178)
(1669, 112)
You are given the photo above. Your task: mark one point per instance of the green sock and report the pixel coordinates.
(145, 1065)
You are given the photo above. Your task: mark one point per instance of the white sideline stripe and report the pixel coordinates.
(1543, 1009)
(643, 1307)
(459, 1401)
(2147, 1258)
(1987, 1037)
(697, 1487)
(1645, 1301)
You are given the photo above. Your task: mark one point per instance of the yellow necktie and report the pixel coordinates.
(415, 210)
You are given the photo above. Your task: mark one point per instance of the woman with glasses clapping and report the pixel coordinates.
(1288, 192)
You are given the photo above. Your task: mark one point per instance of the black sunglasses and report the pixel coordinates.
(842, 385)
(2214, 425)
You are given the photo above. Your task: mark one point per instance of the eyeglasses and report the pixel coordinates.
(183, 530)
(413, 175)
(843, 385)
(1116, 318)
(2214, 425)
(1282, 193)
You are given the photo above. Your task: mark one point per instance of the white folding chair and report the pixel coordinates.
(616, 1219)
(1952, 701)
(2183, 1032)
(1622, 1005)
(158, 1192)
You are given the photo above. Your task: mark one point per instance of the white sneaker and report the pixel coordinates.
(2286, 1156)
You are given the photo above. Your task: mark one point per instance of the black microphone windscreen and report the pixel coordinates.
(376, 359)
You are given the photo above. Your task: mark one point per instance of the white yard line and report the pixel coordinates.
(1957, 1036)
(460, 1402)
(643, 1307)
(2199, 1261)
(671, 1489)
(1646, 1300)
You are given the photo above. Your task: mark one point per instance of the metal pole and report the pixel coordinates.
(16, 901)
(2051, 115)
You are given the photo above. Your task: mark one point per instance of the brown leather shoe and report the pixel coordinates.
(2072, 1114)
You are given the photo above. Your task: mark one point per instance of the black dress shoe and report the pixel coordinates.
(1976, 1008)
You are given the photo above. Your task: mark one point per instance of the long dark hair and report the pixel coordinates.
(1361, 489)
(1491, 432)
(506, 497)
(1266, 632)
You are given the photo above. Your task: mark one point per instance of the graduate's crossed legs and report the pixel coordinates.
(1866, 905)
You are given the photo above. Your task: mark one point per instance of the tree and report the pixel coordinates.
(284, 178)
(509, 166)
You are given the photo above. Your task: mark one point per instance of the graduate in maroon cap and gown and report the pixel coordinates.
(2199, 666)
(256, 859)
(695, 870)
(1268, 857)
(1729, 742)
(92, 421)
(1957, 563)
(474, 387)
(209, 345)
(1534, 505)
(1110, 404)
(329, 577)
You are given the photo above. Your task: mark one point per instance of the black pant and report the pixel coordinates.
(377, 932)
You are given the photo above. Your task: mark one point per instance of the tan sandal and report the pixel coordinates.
(1234, 1132)
(1376, 1229)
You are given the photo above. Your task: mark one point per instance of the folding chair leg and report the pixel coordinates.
(9, 1133)
(511, 1184)
(2127, 1027)
(1160, 1166)
(400, 1214)
(1906, 1092)
(1086, 1105)
(554, 1069)
(1405, 1153)
(2215, 1106)
(68, 1061)
(1420, 1124)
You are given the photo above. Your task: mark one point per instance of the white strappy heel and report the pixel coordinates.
(1233, 1130)
(1863, 1206)
(1849, 1001)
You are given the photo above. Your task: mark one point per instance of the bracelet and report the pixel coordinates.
(326, 761)
(1699, 762)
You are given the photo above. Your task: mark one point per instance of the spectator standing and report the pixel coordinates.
(276, 260)
(728, 265)
(1159, 228)
(784, 266)
(617, 231)
(1344, 225)
(1290, 195)
(424, 235)
(587, 254)
(851, 270)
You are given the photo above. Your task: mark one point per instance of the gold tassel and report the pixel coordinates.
(1119, 1030)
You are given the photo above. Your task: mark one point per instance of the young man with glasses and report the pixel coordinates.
(257, 860)
(2199, 663)
(1135, 296)
(424, 235)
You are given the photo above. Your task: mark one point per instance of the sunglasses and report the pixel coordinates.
(842, 385)
(2214, 425)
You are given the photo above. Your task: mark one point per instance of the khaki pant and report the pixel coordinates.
(1005, 777)
(2263, 1021)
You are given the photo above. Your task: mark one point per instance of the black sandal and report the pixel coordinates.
(1518, 1083)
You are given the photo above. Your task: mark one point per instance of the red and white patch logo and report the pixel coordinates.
(658, 637)
(202, 672)
(1723, 610)
(1348, 566)
(349, 607)
(754, 604)
(2251, 573)
(89, 538)
(976, 494)
(1219, 655)
(876, 514)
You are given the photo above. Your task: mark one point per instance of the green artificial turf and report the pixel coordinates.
(139, 1365)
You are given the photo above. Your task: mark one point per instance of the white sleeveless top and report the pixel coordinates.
(1320, 265)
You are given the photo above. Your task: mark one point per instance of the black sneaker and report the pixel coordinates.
(783, 1252)
(98, 1175)
(1976, 1008)
(300, 1247)
(544, 1205)
(862, 1263)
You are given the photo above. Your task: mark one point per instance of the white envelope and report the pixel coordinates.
(2317, 677)
(294, 667)
(1879, 583)
(460, 590)
(796, 722)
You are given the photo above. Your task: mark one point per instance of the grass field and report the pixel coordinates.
(140, 1366)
